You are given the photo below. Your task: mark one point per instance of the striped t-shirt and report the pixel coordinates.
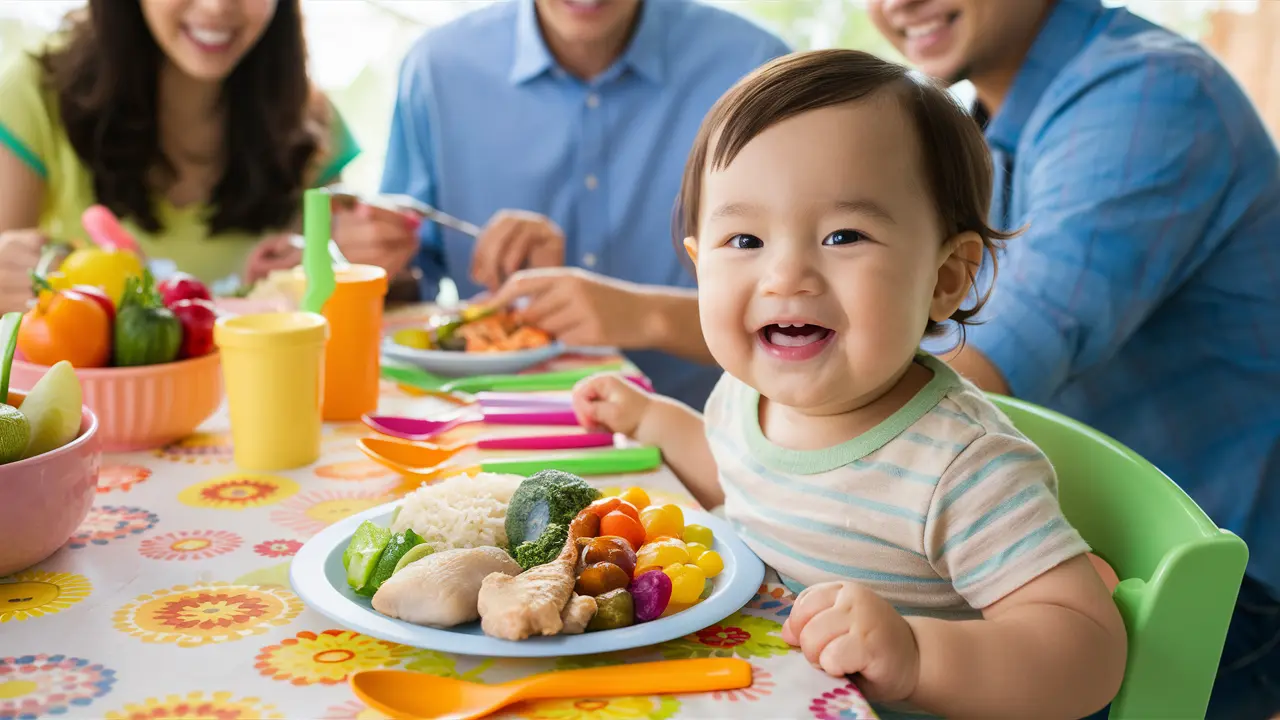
(942, 509)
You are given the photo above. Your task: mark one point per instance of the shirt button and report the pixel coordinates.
(593, 100)
(591, 182)
(589, 260)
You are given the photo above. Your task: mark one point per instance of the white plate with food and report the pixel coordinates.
(433, 570)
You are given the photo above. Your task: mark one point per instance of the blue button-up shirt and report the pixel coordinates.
(485, 119)
(1144, 297)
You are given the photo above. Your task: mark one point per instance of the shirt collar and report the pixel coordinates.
(644, 54)
(1067, 30)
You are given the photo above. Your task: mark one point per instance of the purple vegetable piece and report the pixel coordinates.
(651, 592)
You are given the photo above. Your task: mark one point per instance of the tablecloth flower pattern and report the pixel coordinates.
(181, 569)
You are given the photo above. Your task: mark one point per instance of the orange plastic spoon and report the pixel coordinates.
(411, 695)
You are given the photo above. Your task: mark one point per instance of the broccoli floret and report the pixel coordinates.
(542, 550)
(548, 497)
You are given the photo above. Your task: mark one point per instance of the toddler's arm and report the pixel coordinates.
(1054, 648)
(608, 401)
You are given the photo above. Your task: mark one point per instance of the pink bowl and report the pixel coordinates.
(146, 407)
(45, 498)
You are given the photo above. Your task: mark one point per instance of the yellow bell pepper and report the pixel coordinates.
(107, 269)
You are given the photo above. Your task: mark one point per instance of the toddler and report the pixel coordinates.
(834, 206)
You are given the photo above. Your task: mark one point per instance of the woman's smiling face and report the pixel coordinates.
(206, 39)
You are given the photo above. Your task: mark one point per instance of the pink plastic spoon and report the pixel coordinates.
(420, 429)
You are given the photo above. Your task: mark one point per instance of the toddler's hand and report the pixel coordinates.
(609, 401)
(847, 629)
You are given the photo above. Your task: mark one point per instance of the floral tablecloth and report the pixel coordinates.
(173, 601)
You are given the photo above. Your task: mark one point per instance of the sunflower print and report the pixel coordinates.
(199, 449)
(620, 708)
(35, 593)
(761, 686)
(843, 703)
(738, 635)
(273, 576)
(353, 470)
(34, 686)
(111, 522)
(189, 545)
(198, 706)
(191, 616)
(327, 658)
(121, 478)
(239, 491)
(352, 710)
(775, 599)
(311, 512)
(278, 548)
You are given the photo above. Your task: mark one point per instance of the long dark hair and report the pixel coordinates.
(106, 77)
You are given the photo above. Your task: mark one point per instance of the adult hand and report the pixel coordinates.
(274, 252)
(515, 239)
(847, 629)
(578, 307)
(369, 235)
(19, 254)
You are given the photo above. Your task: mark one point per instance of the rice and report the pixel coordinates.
(459, 512)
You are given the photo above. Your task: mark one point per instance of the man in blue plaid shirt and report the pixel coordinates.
(1144, 296)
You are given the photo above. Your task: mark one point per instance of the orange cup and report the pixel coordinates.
(352, 359)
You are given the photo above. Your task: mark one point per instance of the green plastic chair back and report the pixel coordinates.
(1179, 573)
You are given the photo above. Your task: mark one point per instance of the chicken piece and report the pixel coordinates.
(577, 614)
(532, 603)
(441, 589)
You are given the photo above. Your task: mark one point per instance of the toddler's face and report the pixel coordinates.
(820, 257)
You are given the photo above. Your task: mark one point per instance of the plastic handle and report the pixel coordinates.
(105, 229)
(561, 380)
(497, 400)
(530, 416)
(317, 228)
(619, 461)
(547, 442)
(669, 677)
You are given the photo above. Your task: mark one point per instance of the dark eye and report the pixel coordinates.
(746, 242)
(843, 237)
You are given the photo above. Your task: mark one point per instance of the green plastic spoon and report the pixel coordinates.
(8, 344)
(317, 264)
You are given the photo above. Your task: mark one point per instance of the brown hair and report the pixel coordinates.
(105, 79)
(957, 164)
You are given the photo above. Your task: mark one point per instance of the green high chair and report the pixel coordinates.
(1179, 573)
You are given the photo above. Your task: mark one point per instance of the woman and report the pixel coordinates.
(194, 121)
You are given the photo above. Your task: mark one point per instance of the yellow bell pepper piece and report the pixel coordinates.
(107, 269)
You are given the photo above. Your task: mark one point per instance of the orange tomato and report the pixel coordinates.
(636, 496)
(65, 325)
(624, 526)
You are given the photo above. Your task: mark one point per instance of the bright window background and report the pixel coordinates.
(356, 45)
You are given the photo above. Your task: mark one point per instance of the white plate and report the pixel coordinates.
(453, 363)
(319, 579)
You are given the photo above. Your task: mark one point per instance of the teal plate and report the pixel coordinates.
(318, 578)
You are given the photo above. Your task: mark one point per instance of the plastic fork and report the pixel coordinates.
(402, 457)
(421, 429)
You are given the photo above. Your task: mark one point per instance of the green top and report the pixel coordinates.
(808, 462)
(31, 129)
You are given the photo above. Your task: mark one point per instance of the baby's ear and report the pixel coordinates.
(691, 247)
(958, 262)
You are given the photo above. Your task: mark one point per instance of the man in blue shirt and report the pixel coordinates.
(1144, 296)
(568, 122)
